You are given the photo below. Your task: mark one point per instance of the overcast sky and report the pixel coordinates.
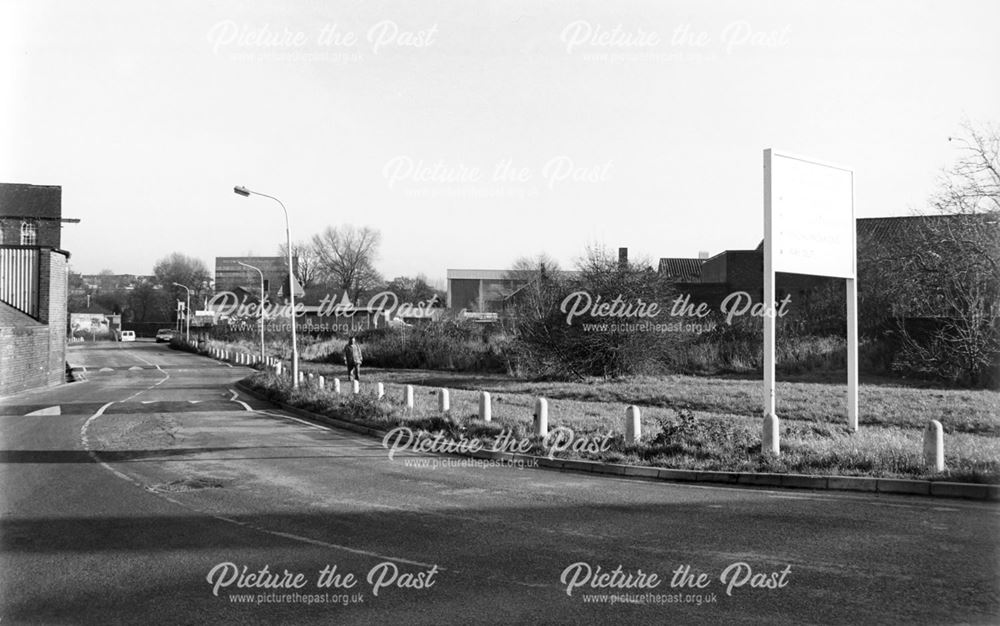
(471, 133)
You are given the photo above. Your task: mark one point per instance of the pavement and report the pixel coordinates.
(156, 492)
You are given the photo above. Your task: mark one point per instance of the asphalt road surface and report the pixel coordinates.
(141, 494)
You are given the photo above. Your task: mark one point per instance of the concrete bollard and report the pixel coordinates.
(277, 369)
(542, 417)
(336, 385)
(444, 402)
(322, 383)
(770, 436)
(408, 396)
(633, 425)
(379, 390)
(934, 446)
(302, 377)
(485, 407)
(355, 387)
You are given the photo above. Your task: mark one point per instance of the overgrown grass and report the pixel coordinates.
(693, 423)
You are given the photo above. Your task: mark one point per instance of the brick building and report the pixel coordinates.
(33, 287)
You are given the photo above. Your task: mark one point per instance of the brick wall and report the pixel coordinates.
(24, 351)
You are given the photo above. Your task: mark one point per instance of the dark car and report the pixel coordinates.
(165, 334)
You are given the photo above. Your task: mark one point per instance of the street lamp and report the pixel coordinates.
(261, 308)
(243, 191)
(187, 312)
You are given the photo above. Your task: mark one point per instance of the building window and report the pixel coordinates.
(29, 234)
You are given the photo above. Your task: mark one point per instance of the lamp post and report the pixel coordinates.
(243, 191)
(187, 312)
(261, 308)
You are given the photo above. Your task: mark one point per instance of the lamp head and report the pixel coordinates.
(241, 190)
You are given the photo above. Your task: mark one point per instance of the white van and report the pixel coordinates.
(128, 335)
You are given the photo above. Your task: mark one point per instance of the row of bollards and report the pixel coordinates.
(933, 440)
(242, 358)
(933, 444)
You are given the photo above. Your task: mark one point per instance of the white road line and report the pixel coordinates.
(308, 540)
(233, 399)
(85, 440)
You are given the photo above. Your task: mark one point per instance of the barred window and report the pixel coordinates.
(29, 234)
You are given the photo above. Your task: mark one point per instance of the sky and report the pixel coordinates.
(473, 133)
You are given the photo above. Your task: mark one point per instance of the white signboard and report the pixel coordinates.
(812, 216)
(808, 229)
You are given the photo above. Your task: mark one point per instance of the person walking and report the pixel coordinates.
(352, 357)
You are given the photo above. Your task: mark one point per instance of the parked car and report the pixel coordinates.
(128, 335)
(165, 334)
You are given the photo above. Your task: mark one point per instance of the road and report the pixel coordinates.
(139, 495)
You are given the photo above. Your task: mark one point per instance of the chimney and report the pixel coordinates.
(623, 257)
(702, 255)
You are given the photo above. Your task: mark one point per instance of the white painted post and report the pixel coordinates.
(934, 446)
(322, 383)
(355, 387)
(770, 426)
(277, 369)
(336, 386)
(852, 354)
(633, 425)
(769, 438)
(444, 402)
(379, 390)
(485, 407)
(302, 377)
(542, 417)
(408, 396)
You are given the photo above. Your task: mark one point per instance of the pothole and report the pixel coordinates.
(190, 484)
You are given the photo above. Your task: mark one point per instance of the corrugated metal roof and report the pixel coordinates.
(685, 269)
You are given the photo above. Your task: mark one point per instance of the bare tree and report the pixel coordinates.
(550, 343)
(180, 268)
(346, 256)
(946, 275)
(308, 268)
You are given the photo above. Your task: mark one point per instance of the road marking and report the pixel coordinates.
(106, 369)
(85, 440)
(52, 410)
(134, 368)
(293, 536)
(234, 399)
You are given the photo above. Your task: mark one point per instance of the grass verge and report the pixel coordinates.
(690, 423)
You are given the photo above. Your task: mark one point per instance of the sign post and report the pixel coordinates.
(809, 228)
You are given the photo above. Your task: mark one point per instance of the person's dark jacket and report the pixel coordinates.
(352, 354)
